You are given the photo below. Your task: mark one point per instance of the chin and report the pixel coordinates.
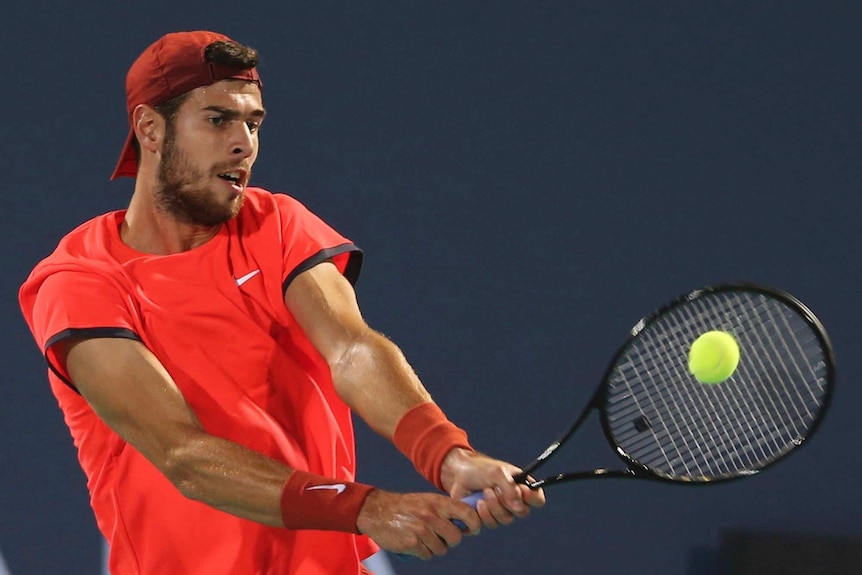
(234, 206)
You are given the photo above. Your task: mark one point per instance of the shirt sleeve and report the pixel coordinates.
(73, 304)
(307, 241)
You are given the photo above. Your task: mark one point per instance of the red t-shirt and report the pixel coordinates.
(215, 318)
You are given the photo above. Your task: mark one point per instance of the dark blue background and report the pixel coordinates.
(527, 180)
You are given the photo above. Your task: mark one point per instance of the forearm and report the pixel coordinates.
(227, 476)
(373, 377)
(233, 479)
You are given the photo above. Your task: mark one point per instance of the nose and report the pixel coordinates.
(244, 142)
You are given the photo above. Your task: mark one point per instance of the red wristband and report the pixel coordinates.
(309, 501)
(426, 436)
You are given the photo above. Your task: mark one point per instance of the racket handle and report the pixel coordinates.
(472, 500)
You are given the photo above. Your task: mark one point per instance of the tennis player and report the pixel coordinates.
(206, 348)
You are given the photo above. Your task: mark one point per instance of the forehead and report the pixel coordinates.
(239, 94)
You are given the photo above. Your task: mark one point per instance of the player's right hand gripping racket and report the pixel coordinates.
(666, 425)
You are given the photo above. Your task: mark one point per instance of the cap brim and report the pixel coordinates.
(128, 164)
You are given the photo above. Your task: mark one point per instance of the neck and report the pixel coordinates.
(148, 229)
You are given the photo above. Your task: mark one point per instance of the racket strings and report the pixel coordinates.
(664, 419)
(766, 420)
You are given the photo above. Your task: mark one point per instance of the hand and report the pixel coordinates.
(417, 524)
(465, 472)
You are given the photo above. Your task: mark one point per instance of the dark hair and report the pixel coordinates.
(222, 52)
(231, 54)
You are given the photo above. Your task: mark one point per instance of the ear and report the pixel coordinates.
(149, 127)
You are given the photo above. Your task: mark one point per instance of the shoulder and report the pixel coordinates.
(261, 202)
(263, 210)
(67, 284)
(86, 249)
(89, 242)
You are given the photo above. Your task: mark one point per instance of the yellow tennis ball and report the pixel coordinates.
(713, 357)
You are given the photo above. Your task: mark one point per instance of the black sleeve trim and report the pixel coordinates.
(84, 333)
(351, 270)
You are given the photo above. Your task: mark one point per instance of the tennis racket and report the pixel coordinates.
(665, 425)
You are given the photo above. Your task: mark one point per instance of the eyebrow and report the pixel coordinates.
(231, 114)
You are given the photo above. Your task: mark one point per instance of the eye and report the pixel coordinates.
(217, 120)
(253, 126)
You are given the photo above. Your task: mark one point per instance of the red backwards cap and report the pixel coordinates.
(173, 65)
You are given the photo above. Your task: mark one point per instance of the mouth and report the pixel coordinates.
(237, 178)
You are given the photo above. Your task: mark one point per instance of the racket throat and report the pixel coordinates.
(594, 474)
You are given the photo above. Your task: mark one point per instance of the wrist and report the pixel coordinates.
(453, 465)
(427, 437)
(310, 501)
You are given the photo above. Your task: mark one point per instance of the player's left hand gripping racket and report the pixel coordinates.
(665, 425)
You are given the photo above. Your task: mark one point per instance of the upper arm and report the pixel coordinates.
(369, 372)
(324, 304)
(132, 393)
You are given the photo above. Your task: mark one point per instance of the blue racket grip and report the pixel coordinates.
(472, 500)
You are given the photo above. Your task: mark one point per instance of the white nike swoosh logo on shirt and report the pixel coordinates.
(338, 487)
(246, 277)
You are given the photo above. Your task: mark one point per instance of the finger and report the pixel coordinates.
(511, 497)
(501, 514)
(512, 493)
(533, 497)
(419, 550)
(488, 520)
(433, 543)
(467, 515)
(412, 545)
(447, 531)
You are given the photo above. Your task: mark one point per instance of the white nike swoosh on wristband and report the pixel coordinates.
(337, 487)
(246, 277)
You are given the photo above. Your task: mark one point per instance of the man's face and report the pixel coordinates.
(208, 151)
